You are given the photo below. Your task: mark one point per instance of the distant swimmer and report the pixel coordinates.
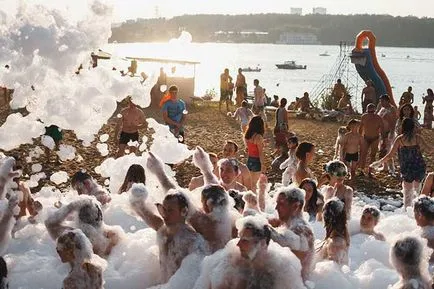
(176, 239)
(256, 263)
(74, 248)
(90, 221)
(131, 120)
(407, 256)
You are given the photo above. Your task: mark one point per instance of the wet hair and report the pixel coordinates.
(385, 97)
(79, 177)
(256, 126)
(312, 205)
(135, 174)
(293, 139)
(256, 82)
(216, 195)
(68, 241)
(233, 143)
(173, 88)
(374, 211)
(425, 206)
(408, 251)
(276, 97)
(292, 194)
(408, 128)
(335, 219)
(336, 168)
(77, 241)
(342, 130)
(339, 80)
(91, 214)
(283, 102)
(244, 103)
(401, 111)
(232, 162)
(302, 150)
(260, 232)
(351, 123)
(179, 197)
(238, 198)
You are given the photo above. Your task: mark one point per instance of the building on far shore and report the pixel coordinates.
(319, 10)
(298, 38)
(296, 11)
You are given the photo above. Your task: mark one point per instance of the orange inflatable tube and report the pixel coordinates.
(369, 35)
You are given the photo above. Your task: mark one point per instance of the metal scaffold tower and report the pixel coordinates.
(345, 70)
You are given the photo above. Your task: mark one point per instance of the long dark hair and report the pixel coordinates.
(311, 205)
(302, 150)
(335, 219)
(408, 128)
(135, 174)
(401, 111)
(256, 126)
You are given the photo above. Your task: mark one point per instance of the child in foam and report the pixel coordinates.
(407, 256)
(74, 248)
(337, 239)
(369, 219)
(337, 171)
(424, 216)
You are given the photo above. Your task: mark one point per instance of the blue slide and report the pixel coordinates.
(368, 72)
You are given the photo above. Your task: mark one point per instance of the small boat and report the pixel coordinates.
(324, 54)
(251, 69)
(290, 65)
(383, 55)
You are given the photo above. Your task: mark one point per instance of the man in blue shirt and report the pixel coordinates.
(173, 113)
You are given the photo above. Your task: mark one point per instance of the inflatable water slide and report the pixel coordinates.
(365, 60)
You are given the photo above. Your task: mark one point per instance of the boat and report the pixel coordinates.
(324, 54)
(290, 65)
(251, 69)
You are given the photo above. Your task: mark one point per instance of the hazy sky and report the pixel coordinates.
(131, 9)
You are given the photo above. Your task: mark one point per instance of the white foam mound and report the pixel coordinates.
(19, 130)
(66, 152)
(59, 177)
(36, 168)
(104, 137)
(48, 142)
(102, 148)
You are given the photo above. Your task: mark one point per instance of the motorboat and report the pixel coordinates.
(324, 54)
(251, 69)
(290, 65)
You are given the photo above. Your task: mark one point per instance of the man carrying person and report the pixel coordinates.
(371, 127)
(368, 95)
(174, 113)
(225, 79)
(230, 150)
(127, 129)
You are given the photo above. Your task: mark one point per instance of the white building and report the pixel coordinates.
(296, 11)
(319, 10)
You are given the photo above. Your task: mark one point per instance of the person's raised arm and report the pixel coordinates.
(155, 166)
(202, 161)
(54, 223)
(391, 153)
(138, 203)
(288, 238)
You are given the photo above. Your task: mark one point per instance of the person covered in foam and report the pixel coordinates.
(256, 263)
(337, 171)
(408, 256)
(176, 239)
(424, 215)
(369, 219)
(90, 221)
(229, 171)
(84, 184)
(337, 240)
(74, 248)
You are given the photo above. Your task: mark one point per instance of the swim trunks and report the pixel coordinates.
(351, 157)
(126, 137)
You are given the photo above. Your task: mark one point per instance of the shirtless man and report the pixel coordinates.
(84, 184)
(225, 79)
(369, 95)
(407, 97)
(352, 144)
(213, 220)
(90, 221)
(176, 239)
(371, 127)
(256, 263)
(127, 129)
(389, 116)
(74, 248)
(230, 150)
(240, 87)
(259, 101)
(304, 104)
(229, 172)
(338, 92)
(197, 182)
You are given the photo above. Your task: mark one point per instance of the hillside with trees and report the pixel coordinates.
(329, 29)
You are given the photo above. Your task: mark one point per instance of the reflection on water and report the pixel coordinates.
(214, 57)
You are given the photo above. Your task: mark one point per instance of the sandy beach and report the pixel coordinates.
(209, 128)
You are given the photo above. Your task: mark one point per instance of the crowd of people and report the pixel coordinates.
(252, 235)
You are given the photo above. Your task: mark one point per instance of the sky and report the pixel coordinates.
(131, 9)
